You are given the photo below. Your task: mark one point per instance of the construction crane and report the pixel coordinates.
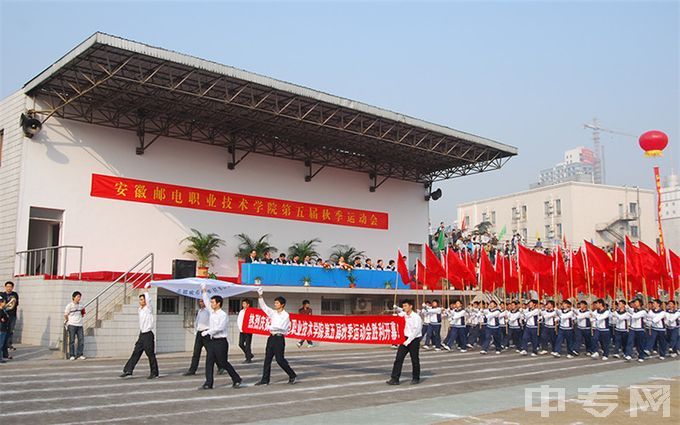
(598, 167)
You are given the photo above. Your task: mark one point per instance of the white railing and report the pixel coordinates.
(111, 298)
(58, 261)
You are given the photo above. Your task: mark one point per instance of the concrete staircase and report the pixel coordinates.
(116, 334)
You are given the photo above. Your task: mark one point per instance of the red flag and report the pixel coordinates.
(598, 259)
(578, 272)
(402, 269)
(534, 262)
(511, 276)
(650, 262)
(487, 275)
(458, 273)
(421, 273)
(675, 264)
(435, 270)
(471, 266)
(561, 274)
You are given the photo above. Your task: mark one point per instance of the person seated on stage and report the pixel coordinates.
(391, 266)
(294, 260)
(319, 262)
(308, 261)
(252, 257)
(267, 257)
(342, 263)
(369, 264)
(357, 263)
(380, 265)
(281, 260)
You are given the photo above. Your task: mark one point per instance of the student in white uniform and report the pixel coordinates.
(146, 341)
(201, 323)
(411, 346)
(279, 327)
(244, 339)
(73, 315)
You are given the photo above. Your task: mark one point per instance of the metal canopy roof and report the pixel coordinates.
(118, 83)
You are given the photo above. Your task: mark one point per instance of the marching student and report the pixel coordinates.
(201, 324)
(566, 330)
(637, 336)
(491, 317)
(503, 325)
(73, 316)
(583, 334)
(530, 316)
(473, 327)
(621, 319)
(548, 327)
(426, 325)
(514, 316)
(458, 331)
(603, 336)
(657, 317)
(306, 309)
(434, 313)
(672, 325)
(279, 326)
(217, 344)
(145, 342)
(411, 346)
(244, 339)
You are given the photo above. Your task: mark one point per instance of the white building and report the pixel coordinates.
(260, 156)
(670, 211)
(572, 210)
(578, 166)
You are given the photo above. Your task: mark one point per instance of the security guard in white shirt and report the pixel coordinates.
(145, 342)
(412, 332)
(202, 323)
(217, 344)
(279, 326)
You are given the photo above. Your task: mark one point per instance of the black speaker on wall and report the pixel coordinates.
(183, 268)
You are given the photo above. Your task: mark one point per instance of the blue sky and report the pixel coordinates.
(528, 74)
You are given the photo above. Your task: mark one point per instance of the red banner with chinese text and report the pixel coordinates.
(343, 329)
(211, 200)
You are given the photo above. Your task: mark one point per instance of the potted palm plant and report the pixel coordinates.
(349, 253)
(248, 244)
(203, 247)
(304, 248)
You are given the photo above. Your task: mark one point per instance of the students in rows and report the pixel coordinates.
(602, 336)
(621, 320)
(565, 332)
(530, 315)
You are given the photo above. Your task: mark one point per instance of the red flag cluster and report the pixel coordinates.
(630, 270)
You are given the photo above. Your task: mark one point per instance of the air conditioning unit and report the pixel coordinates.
(363, 305)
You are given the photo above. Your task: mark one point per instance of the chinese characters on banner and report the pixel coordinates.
(211, 200)
(347, 329)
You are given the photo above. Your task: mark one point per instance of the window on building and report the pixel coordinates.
(546, 208)
(632, 209)
(558, 207)
(558, 227)
(524, 235)
(168, 304)
(620, 210)
(634, 231)
(524, 212)
(548, 233)
(514, 213)
(493, 217)
(332, 306)
(485, 217)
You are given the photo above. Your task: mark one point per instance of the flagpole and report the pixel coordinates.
(571, 276)
(590, 294)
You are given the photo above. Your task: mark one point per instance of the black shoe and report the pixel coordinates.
(205, 387)
(152, 377)
(189, 373)
(220, 371)
(415, 381)
(392, 382)
(291, 381)
(124, 374)
(261, 383)
(248, 361)
(236, 384)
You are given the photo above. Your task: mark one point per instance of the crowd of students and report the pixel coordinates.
(625, 330)
(295, 260)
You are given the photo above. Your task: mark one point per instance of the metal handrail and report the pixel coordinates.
(28, 260)
(115, 293)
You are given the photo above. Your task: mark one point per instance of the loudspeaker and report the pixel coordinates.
(183, 268)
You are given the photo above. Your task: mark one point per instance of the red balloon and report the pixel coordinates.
(653, 142)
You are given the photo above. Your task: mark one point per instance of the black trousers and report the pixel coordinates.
(145, 344)
(413, 349)
(244, 341)
(276, 345)
(199, 343)
(218, 350)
